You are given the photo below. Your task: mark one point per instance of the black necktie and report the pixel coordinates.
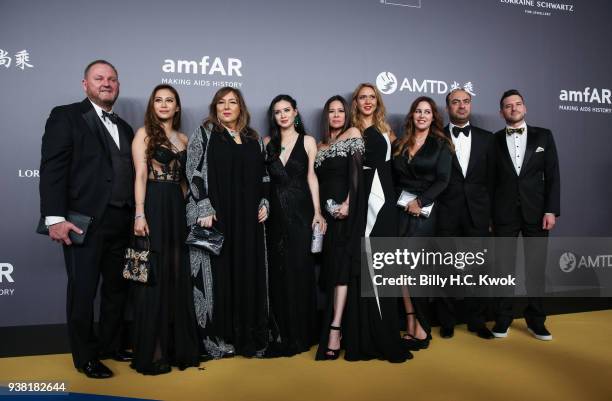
(458, 130)
(111, 116)
(511, 131)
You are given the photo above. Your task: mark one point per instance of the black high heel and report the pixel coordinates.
(335, 353)
(413, 343)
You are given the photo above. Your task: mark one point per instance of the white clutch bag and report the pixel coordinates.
(406, 197)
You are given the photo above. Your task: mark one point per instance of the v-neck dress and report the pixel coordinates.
(292, 277)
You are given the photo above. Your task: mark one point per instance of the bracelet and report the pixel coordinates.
(139, 216)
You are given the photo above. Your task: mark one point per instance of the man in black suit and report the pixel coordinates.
(464, 208)
(86, 167)
(526, 202)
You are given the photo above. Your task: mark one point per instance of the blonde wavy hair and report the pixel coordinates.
(379, 114)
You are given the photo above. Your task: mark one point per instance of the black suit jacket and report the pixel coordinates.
(536, 190)
(76, 171)
(475, 189)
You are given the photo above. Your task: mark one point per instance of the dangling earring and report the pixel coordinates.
(296, 121)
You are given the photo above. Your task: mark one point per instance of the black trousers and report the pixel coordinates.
(535, 264)
(101, 254)
(461, 226)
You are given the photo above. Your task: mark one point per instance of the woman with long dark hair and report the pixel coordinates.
(164, 319)
(338, 166)
(228, 190)
(296, 212)
(421, 166)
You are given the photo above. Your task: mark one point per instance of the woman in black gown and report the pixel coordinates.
(421, 165)
(338, 168)
(164, 322)
(295, 211)
(227, 182)
(371, 326)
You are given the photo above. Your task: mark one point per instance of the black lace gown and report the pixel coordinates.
(338, 169)
(292, 277)
(164, 319)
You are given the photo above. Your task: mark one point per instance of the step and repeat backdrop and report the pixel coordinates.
(556, 52)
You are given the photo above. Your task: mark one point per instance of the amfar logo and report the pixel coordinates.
(387, 83)
(205, 66)
(587, 95)
(6, 275)
(568, 262)
(6, 271)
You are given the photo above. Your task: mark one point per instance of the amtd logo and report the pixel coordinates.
(567, 262)
(387, 83)
(6, 269)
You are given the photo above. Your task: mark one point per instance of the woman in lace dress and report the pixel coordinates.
(227, 182)
(338, 167)
(164, 322)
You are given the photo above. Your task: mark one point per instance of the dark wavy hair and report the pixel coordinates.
(244, 117)
(156, 136)
(403, 144)
(325, 138)
(274, 146)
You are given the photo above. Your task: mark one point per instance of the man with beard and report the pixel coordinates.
(527, 202)
(464, 208)
(86, 169)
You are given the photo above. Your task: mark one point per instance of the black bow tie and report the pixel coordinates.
(111, 116)
(511, 131)
(458, 130)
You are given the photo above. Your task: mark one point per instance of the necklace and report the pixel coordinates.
(283, 148)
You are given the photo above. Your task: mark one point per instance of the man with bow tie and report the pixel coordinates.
(86, 168)
(527, 202)
(465, 206)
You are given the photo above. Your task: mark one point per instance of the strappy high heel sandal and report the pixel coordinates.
(333, 354)
(413, 343)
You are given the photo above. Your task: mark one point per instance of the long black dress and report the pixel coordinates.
(338, 169)
(370, 324)
(292, 277)
(164, 318)
(230, 290)
(425, 175)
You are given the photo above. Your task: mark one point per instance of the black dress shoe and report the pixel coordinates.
(95, 369)
(482, 332)
(447, 332)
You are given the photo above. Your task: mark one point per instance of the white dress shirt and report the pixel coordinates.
(517, 143)
(463, 146)
(114, 132)
(110, 126)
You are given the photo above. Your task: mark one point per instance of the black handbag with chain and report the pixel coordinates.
(137, 266)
